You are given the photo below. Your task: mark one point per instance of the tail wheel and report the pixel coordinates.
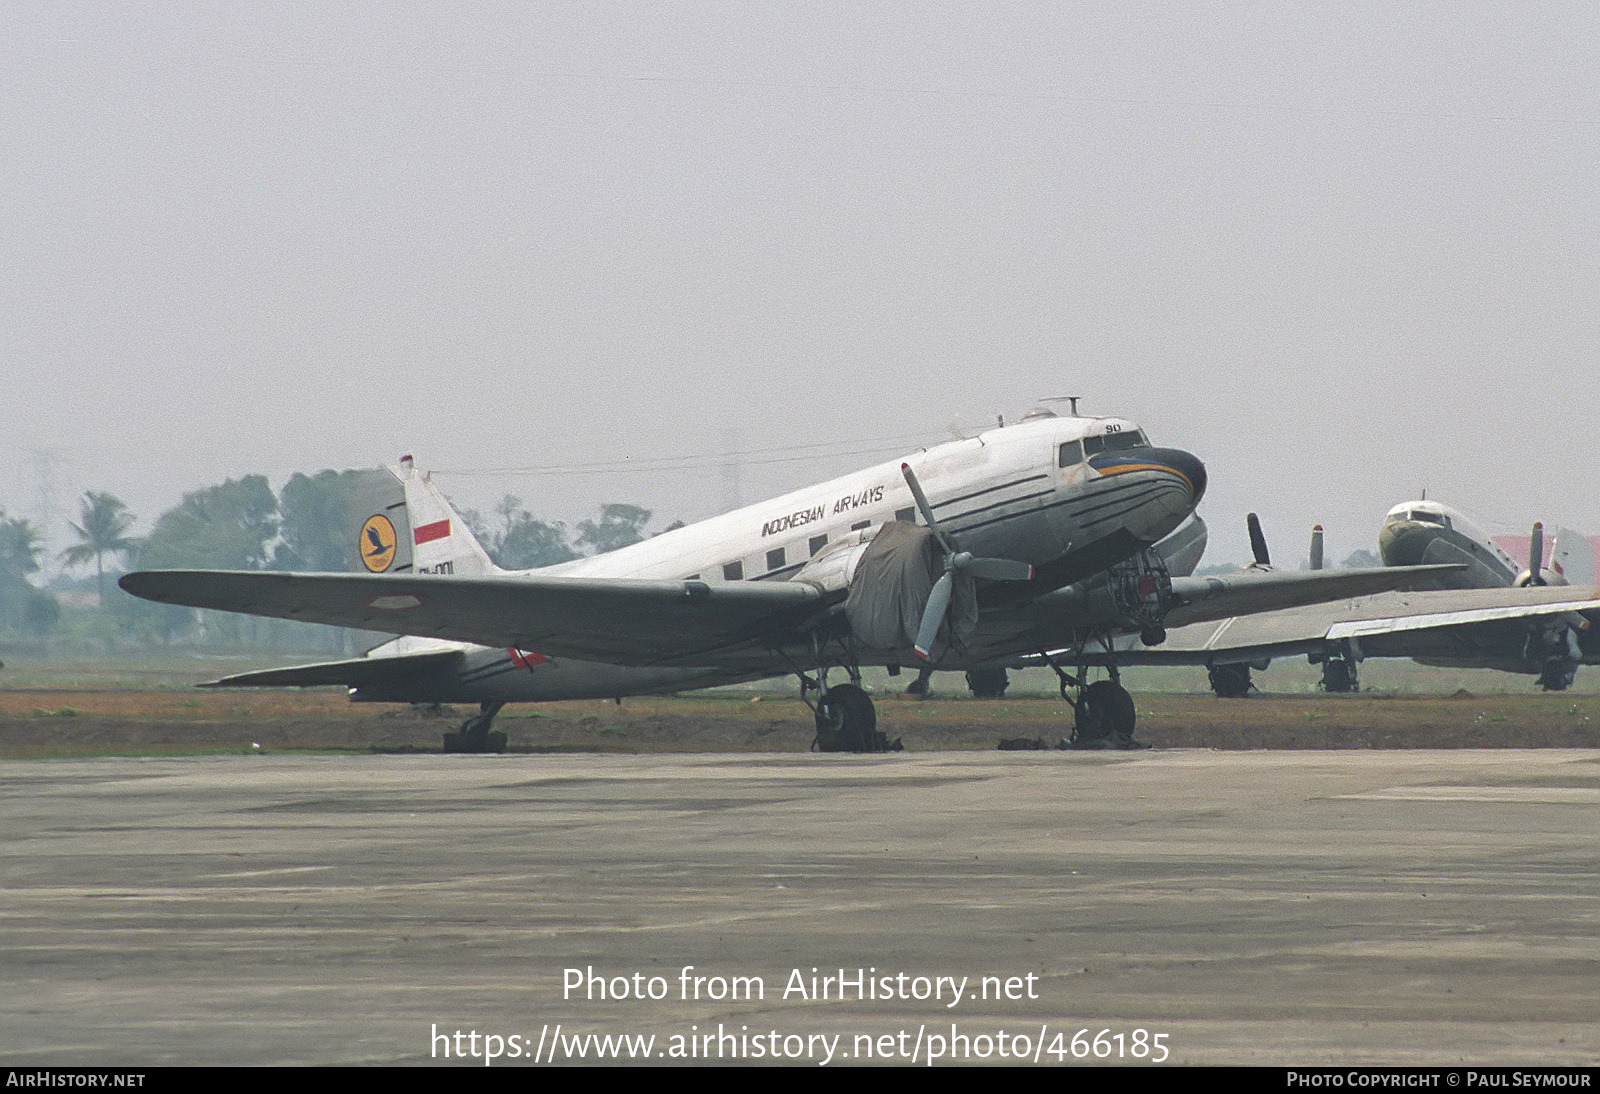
(846, 721)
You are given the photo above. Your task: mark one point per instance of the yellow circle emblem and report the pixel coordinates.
(377, 543)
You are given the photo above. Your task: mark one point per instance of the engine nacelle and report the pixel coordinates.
(830, 569)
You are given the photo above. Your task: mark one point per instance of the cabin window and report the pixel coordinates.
(907, 515)
(733, 571)
(818, 543)
(1071, 454)
(775, 559)
(860, 524)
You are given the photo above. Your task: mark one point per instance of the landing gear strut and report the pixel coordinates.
(1103, 713)
(919, 688)
(475, 734)
(1338, 668)
(846, 719)
(1555, 648)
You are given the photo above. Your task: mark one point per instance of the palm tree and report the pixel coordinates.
(106, 521)
(19, 548)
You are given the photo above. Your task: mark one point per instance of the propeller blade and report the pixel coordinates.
(1258, 542)
(927, 510)
(999, 569)
(1316, 546)
(1536, 554)
(933, 614)
(962, 562)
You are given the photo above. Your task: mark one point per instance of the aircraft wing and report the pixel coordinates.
(619, 621)
(1368, 621)
(1198, 599)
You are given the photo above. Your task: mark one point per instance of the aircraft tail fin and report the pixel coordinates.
(407, 526)
(1572, 557)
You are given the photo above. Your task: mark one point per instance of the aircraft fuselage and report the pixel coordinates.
(1069, 496)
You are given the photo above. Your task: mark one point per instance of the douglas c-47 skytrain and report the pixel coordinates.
(1031, 537)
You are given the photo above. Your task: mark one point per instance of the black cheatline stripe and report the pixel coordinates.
(1104, 497)
(1094, 514)
(1137, 502)
(1100, 491)
(987, 490)
(1138, 491)
(1018, 500)
(1132, 504)
(397, 569)
(1115, 497)
(997, 520)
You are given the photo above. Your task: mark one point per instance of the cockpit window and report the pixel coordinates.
(1429, 518)
(1071, 454)
(1112, 442)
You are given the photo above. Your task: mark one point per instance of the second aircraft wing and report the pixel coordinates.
(1367, 620)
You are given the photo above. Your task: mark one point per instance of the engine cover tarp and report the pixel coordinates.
(890, 588)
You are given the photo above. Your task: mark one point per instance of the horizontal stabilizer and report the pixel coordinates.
(354, 673)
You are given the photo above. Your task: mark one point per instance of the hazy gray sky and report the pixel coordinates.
(1341, 251)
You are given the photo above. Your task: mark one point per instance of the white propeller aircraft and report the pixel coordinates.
(1551, 648)
(1487, 611)
(1034, 536)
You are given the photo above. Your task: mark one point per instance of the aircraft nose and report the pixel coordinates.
(1182, 465)
(1188, 466)
(1403, 542)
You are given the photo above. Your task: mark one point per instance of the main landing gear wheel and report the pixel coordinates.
(1105, 717)
(987, 683)
(848, 722)
(1231, 681)
(475, 734)
(1339, 676)
(1557, 675)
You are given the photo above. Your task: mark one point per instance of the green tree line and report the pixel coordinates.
(240, 524)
